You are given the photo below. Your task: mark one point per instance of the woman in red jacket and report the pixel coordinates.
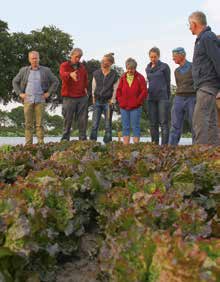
(130, 95)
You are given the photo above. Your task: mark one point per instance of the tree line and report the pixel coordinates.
(12, 123)
(54, 47)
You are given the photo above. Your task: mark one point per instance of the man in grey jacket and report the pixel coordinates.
(34, 84)
(206, 76)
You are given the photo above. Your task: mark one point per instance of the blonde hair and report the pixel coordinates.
(110, 57)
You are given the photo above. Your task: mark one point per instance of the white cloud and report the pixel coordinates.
(212, 8)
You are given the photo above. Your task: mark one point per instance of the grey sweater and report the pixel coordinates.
(184, 80)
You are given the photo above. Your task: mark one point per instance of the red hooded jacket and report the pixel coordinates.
(131, 97)
(71, 88)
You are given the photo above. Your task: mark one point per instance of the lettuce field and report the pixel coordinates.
(151, 213)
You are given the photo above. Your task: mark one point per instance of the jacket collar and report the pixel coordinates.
(135, 74)
(207, 28)
(31, 68)
(71, 64)
(158, 64)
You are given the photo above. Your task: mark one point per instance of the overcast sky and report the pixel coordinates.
(127, 28)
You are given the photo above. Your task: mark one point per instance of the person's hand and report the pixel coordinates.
(93, 100)
(22, 96)
(218, 95)
(74, 75)
(112, 101)
(46, 95)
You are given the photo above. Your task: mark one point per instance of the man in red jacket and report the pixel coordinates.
(74, 92)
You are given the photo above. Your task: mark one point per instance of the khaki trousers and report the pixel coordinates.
(34, 112)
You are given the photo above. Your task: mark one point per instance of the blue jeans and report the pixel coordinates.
(159, 111)
(131, 119)
(182, 107)
(106, 109)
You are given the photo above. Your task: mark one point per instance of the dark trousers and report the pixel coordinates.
(100, 109)
(159, 111)
(182, 107)
(75, 108)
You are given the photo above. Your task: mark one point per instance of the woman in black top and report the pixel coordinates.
(158, 76)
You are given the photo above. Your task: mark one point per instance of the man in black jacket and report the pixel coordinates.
(206, 76)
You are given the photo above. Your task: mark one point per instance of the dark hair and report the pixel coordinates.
(155, 50)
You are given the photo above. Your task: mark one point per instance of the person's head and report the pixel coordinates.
(34, 59)
(131, 66)
(76, 55)
(154, 55)
(107, 60)
(179, 55)
(197, 22)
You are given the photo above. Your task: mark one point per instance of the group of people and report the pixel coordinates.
(197, 93)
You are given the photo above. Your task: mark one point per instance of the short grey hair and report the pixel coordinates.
(131, 63)
(198, 17)
(76, 50)
(33, 52)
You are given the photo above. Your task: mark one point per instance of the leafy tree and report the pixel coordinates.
(53, 45)
(91, 66)
(54, 121)
(119, 70)
(16, 115)
(3, 118)
(22, 45)
(6, 62)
